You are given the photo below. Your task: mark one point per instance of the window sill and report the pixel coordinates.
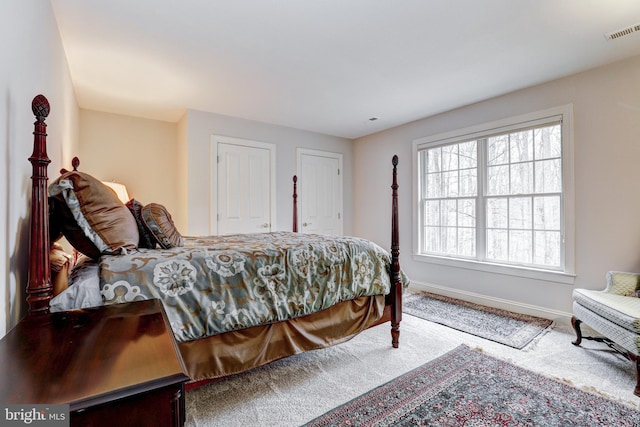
(546, 275)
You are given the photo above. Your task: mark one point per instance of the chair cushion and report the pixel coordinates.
(619, 309)
(625, 338)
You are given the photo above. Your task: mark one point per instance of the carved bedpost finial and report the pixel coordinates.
(40, 107)
(75, 162)
(394, 161)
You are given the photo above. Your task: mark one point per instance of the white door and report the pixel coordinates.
(319, 192)
(244, 186)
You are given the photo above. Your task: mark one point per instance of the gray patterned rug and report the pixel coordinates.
(468, 388)
(513, 329)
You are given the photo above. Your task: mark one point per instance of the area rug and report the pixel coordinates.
(468, 388)
(513, 329)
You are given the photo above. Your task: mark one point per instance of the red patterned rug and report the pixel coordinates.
(468, 388)
(505, 327)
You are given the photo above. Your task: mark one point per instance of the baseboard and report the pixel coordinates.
(559, 317)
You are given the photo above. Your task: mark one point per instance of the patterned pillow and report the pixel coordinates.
(92, 218)
(146, 238)
(158, 221)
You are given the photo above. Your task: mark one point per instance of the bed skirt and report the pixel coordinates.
(233, 352)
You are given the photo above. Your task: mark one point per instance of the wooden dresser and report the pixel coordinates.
(117, 365)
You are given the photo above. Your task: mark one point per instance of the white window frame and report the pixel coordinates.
(567, 274)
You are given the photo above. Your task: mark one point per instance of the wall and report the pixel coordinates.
(169, 163)
(33, 62)
(201, 126)
(139, 153)
(182, 169)
(606, 103)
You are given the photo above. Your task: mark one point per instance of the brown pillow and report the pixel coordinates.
(92, 218)
(146, 238)
(158, 221)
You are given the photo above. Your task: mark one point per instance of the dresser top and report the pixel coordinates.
(84, 357)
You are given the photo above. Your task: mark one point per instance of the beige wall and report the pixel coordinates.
(142, 154)
(169, 163)
(33, 62)
(201, 126)
(182, 169)
(606, 103)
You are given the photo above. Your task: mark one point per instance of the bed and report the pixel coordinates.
(234, 302)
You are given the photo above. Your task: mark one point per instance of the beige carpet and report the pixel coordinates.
(295, 390)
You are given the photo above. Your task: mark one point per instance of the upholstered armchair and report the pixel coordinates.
(613, 312)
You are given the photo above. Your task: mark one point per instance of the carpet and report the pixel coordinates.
(293, 391)
(513, 329)
(466, 387)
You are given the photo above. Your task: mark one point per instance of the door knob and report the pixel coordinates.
(306, 224)
(265, 225)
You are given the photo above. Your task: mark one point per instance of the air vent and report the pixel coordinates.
(623, 32)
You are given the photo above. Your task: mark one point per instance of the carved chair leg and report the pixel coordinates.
(634, 358)
(576, 326)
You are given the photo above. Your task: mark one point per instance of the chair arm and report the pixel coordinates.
(622, 283)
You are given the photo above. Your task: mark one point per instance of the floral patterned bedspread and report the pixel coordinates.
(220, 283)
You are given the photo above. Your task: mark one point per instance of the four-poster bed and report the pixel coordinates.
(315, 315)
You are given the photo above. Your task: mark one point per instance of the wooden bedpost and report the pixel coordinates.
(295, 204)
(39, 288)
(396, 285)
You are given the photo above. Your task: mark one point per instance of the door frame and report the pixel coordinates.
(213, 178)
(319, 153)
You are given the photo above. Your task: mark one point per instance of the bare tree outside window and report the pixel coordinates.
(514, 178)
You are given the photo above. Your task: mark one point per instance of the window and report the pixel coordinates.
(499, 194)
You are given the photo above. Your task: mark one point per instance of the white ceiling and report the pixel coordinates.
(329, 65)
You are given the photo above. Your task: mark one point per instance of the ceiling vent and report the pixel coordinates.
(623, 32)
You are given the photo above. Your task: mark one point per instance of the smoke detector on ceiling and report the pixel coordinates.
(623, 32)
